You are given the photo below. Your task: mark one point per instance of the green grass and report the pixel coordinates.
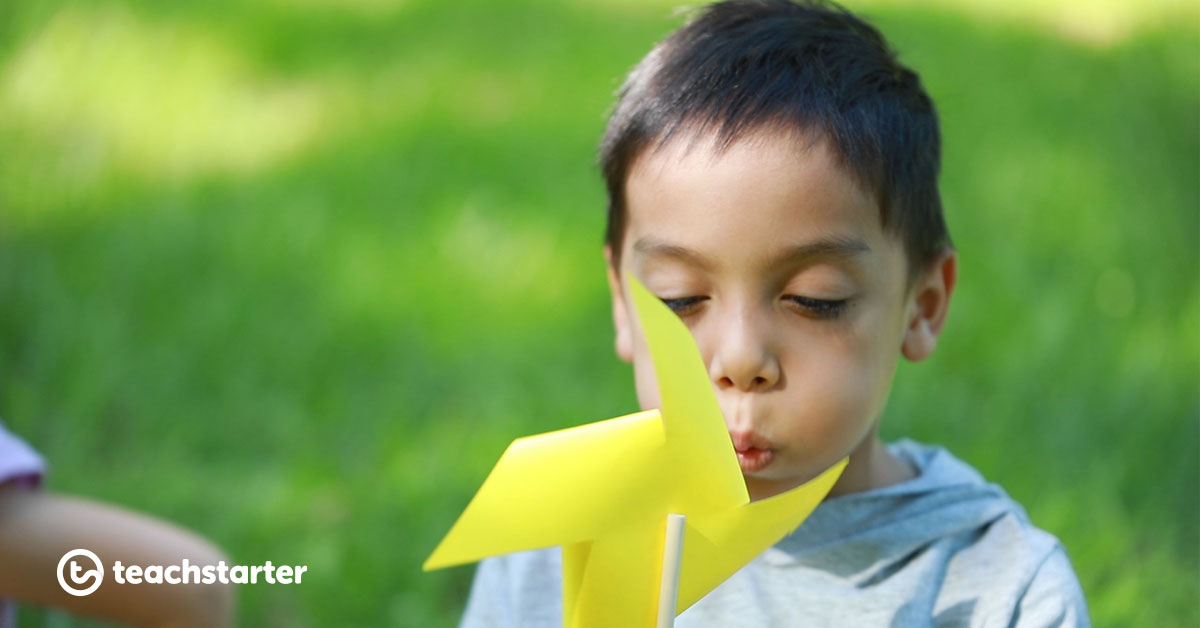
(294, 277)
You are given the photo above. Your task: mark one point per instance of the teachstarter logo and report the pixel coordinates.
(80, 567)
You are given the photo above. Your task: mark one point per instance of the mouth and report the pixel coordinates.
(754, 459)
(754, 452)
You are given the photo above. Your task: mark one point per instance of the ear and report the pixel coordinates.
(623, 343)
(928, 303)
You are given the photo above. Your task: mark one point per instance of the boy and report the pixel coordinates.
(772, 177)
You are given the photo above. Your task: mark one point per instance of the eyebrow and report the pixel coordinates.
(836, 247)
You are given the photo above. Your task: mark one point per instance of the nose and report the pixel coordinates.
(745, 358)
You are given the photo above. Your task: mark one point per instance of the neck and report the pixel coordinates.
(871, 466)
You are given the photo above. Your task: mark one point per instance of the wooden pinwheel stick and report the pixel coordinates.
(668, 591)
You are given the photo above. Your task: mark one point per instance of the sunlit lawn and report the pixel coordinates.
(294, 275)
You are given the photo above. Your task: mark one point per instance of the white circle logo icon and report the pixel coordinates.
(77, 574)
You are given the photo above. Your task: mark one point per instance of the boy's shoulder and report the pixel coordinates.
(946, 547)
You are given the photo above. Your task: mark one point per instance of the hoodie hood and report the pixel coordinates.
(858, 535)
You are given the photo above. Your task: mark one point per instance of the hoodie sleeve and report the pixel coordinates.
(1054, 597)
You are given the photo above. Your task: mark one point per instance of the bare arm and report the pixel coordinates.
(37, 528)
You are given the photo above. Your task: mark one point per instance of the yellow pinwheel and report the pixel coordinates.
(604, 491)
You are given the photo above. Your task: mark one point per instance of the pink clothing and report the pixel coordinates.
(18, 461)
(21, 465)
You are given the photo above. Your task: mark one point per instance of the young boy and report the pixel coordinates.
(772, 177)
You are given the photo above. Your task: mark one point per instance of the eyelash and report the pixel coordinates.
(820, 308)
(683, 305)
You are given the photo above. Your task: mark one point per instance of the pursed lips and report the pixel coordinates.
(754, 451)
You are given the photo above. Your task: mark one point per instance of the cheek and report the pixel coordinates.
(647, 386)
(644, 379)
(868, 354)
(835, 391)
(841, 386)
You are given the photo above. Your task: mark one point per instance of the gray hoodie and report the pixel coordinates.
(943, 549)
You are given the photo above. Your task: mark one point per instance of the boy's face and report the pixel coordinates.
(778, 263)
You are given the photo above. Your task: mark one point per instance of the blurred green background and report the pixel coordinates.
(294, 273)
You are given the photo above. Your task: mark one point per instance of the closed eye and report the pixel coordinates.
(820, 308)
(683, 305)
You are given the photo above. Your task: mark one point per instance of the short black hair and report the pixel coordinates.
(810, 66)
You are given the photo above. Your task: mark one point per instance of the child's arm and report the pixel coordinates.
(37, 528)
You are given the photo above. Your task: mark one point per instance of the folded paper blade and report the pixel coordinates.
(715, 546)
(695, 427)
(556, 488)
(603, 491)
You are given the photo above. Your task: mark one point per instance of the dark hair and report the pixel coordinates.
(808, 66)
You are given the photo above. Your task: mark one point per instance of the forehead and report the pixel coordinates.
(764, 193)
